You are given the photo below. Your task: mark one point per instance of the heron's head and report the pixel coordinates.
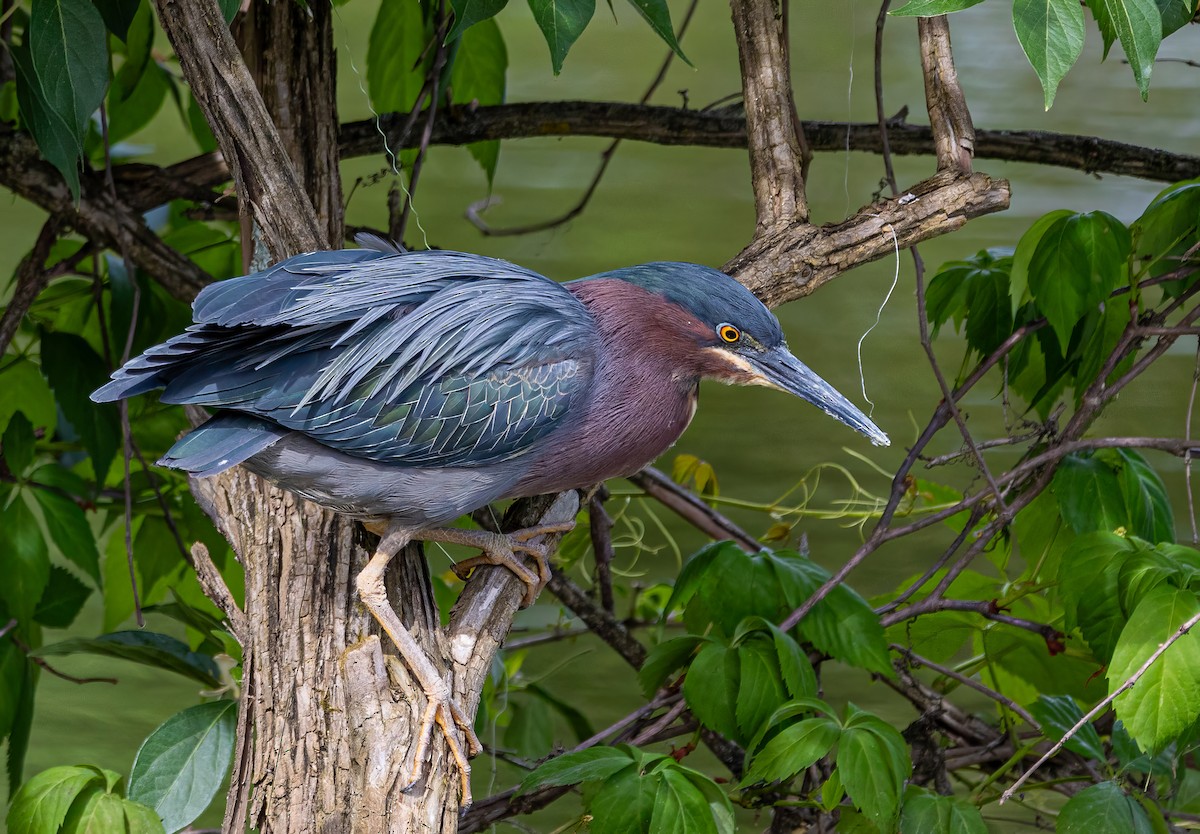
(737, 339)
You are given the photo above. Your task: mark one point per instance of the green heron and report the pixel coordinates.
(408, 388)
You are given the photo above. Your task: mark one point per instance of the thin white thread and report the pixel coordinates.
(862, 377)
(393, 160)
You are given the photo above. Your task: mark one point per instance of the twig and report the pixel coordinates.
(216, 590)
(1103, 705)
(1004, 701)
(600, 529)
(31, 278)
(692, 510)
(28, 652)
(1187, 457)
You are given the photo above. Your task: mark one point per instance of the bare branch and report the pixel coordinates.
(953, 131)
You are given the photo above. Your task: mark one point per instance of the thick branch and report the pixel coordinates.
(775, 154)
(258, 161)
(789, 263)
(953, 132)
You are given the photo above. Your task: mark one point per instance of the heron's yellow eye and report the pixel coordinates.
(728, 333)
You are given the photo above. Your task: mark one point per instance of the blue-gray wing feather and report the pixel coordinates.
(424, 358)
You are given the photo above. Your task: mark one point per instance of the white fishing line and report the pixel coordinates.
(862, 378)
(393, 160)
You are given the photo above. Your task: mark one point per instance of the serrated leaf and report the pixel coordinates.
(62, 600)
(478, 75)
(794, 749)
(70, 531)
(1166, 699)
(1057, 714)
(1078, 261)
(181, 765)
(658, 14)
(1145, 494)
(924, 812)
(561, 22)
(25, 390)
(1051, 33)
(680, 807)
(145, 647)
(710, 689)
(12, 680)
(1090, 494)
(1138, 25)
(760, 686)
(624, 803)
(794, 666)
(693, 574)
(874, 763)
(69, 55)
(1023, 254)
(1102, 809)
(989, 311)
(41, 805)
(74, 370)
(469, 12)
(933, 8)
(19, 443)
(664, 659)
(592, 764)
(24, 561)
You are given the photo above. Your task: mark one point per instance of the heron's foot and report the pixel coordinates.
(451, 720)
(441, 709)
(502, 549)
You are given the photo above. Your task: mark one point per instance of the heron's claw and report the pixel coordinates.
(502, 549)
(449, 717)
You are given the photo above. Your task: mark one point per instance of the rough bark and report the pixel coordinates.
(771, 130)
(953, 131)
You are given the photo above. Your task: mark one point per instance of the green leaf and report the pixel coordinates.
(933, 8)
(19, 443)
(989, 316)
(625, 803)
(1166, 699)
(1090, 494)
(561, 22)
(140, 819)
(41, 805)
(1168, 226)
(117, 14)
(664, 659)
(1058, 714)
(229, 9)
(760, 686)
(694, 573)
(74, 371)
(469, 12)
(69, 54)
(96, 812)
(794, 749)
(24, 561)
(658, 15)
(580, 726)
(395, 71)
(70, 531)
(1051, 33)
(873, 760)
(592, 764)
(1145, 494)
(680, 807)
(924, 812)
(794, 666)
(12, 680)
(25, 390)
(480, 64)
(1078, 261)
(736, 585)
(1102, 809)
(1089, 582)
(531, 729)
(145, 647)
(1175, 14)
(1138, 25)
(140, 85)
(181, 765)
(1026, 246)
(22, 726)
(710, 689)
(62, 600)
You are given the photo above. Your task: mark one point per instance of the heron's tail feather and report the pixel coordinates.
(224, 441)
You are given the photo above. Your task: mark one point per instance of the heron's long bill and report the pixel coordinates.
(783, 371)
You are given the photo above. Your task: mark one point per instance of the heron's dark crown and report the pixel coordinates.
(709, 294)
